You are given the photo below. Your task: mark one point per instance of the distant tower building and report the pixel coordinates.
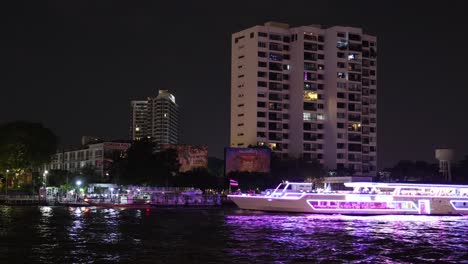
(162, 119)
(445, 157)
(138, 118)
(307, 92)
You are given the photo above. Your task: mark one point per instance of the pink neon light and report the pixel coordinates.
(413, 209)
(383, 184)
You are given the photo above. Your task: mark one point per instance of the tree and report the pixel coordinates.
(25, 146)
(297, 169)
(199, 178)
(406, 170)
(89, 172)
(138, 165)
(167, 166)
(57, 178)
(143, 166)
(253, 180)
(460, 171)
(216, 166)
(314, 172)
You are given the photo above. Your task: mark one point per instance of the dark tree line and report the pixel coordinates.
(292, 169)
(24, 147)
(421, 171)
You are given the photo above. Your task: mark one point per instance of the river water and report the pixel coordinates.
(224, 235)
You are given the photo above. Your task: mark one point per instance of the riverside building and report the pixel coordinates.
(98, 156)
(156, 118)
(307, 92)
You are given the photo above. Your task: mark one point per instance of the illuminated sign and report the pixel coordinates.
(190, 156)
(247, 159)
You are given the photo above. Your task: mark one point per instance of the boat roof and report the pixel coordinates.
(413, 185)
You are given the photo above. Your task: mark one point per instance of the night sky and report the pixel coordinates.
(75, 65)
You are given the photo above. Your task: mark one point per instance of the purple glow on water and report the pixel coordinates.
(371, 239)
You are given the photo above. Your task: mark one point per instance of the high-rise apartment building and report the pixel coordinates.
(138, 115)
(163, 118)
(307, 92)
(156, 118)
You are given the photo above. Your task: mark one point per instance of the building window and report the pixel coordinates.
(310, 106)
(310, 46)
(276, 37)
(309, 66)
(310, 96)
(310, 56)
(309, 116)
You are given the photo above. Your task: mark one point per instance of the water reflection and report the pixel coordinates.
(101, 235)
(347, 238)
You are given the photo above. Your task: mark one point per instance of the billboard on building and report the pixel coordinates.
(247, 159)
(190, 156)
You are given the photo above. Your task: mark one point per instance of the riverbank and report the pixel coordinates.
(35, 201)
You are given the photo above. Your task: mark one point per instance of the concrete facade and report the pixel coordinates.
(308, 92)
(156, 118)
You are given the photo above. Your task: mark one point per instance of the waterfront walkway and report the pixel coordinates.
(168, 200)
(21, 200)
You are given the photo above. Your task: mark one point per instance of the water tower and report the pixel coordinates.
(445, 157)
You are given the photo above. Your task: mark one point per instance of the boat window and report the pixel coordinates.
(281, 186)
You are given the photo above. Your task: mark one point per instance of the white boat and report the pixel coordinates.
(366, 198)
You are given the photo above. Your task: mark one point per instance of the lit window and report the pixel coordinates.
(356, 126)
(137, 129)
(352, 56)
(307, 116)
(310, 96)
(320, 117)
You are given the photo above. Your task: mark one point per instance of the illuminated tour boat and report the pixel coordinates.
(366, 198)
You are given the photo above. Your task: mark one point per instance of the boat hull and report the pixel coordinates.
(352, 204)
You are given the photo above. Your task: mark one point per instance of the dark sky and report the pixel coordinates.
(74, 65)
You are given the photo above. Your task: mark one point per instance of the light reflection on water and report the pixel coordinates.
(366, 239)
(90, 234)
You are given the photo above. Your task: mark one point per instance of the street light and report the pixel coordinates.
(45, 177)
(78, 184)
(6, 183)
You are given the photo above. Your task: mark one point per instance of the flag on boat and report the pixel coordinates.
(233, 182)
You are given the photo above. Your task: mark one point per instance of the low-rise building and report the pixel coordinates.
(97, 155)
